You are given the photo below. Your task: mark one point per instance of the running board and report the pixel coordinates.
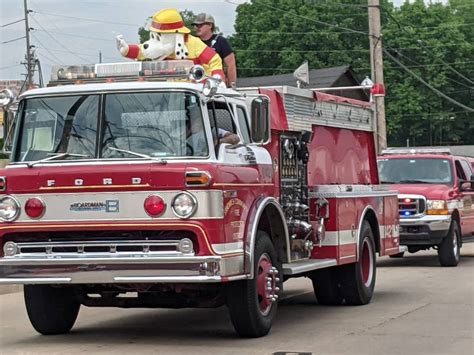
(299, 267)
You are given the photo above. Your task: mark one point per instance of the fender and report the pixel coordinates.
(359, 229)
(251, 235)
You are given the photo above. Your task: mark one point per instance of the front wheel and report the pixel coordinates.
(253, 303)
(52, 310)
(449, 251)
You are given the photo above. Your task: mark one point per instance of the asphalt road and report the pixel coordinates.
(418, 308)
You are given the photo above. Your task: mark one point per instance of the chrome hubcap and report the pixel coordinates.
(267, 281)
(367, 262)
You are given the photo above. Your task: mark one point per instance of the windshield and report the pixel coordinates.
(122, 126)
(57, 125)
(415, 171)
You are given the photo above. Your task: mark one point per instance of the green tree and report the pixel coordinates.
(425, 38)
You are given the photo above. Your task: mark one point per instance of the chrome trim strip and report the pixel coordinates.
(129, 206)
(309, 265)
(355, 194)
(35, 280)
(126, 259)
(348, 257)
(167, 279)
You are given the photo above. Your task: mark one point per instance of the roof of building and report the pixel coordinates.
(318, 78)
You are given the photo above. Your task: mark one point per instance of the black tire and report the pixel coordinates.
(52, 310)
(358, 279)
(449, 250)
(398, 255)
(327, 286)
(244, 298)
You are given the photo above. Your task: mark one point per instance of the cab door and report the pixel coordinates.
(467, 196)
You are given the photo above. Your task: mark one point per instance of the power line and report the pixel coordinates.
(75, 35)
(432, 113)
(439, 93)
(85, 19)
(54, 39)
(420, 42)
(312, 20)
(13, 40)
(10, 66)
(65, 51)
(45, 47)
(12, 23)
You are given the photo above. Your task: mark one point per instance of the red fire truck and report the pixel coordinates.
(122, 193)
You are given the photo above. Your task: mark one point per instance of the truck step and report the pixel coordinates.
(299, 267)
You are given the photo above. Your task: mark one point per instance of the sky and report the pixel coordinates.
(62, 35)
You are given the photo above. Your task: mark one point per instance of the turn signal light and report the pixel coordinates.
(35, 208)
(154, 206)
(198, 178)
(437, 212)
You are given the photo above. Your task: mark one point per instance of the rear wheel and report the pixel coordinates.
(253, 303)
(358, 280)
(449, 251)
(327, 286)
(351, 284)
(52, 310)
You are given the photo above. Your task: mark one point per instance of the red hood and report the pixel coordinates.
(131, 177)
(430, 191)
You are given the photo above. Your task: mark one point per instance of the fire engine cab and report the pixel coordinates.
(121, 192)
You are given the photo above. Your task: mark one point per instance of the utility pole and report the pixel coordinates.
(100, 56)
(29, 59)
(376, 64)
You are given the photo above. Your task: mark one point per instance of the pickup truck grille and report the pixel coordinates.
(411, 205)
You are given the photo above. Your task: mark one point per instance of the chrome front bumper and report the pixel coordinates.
(93, 270)
(426, 230)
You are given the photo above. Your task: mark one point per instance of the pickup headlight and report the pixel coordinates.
(9, 209)
(437, 207)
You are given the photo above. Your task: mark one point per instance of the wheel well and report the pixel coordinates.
(374, 225)
(272, 223)
(455, 216)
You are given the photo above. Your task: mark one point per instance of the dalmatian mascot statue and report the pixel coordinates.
(170, 39)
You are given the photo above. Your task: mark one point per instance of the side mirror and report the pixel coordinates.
(260, 125)
(6, 98)
(9, 124)
(467, 185)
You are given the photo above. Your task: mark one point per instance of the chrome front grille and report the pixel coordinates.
(411, 205)
(99, 249)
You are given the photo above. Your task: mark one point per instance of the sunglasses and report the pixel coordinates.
(199, 25)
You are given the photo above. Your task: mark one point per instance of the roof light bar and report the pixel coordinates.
(98, 72)
(389, 151)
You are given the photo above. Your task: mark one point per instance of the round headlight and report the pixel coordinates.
(9, 209)
(184, 205)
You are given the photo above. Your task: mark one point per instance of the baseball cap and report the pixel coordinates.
(203, 18)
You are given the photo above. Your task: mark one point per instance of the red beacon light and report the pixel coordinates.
(378, 89)
(407, 200)
(35, 208)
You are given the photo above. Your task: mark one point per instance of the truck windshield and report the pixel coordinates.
(415, 171)
(125, 126)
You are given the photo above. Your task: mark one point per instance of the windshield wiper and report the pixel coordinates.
(57, 156)
(414, 182)
(146, 156)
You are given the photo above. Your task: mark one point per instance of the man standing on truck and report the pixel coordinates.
(205, 26)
